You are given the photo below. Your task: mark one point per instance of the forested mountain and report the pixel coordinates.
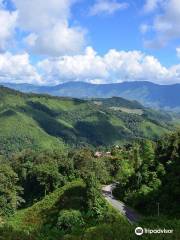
(147, 93)
(42, 121)
(57, 152)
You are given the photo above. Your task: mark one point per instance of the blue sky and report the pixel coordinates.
(98, 41)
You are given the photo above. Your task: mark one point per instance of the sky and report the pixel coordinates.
(98, 41)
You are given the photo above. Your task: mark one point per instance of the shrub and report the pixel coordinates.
(69, 220)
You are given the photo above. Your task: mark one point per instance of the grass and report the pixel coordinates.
(18, 131)
(58, 104)
(152, 130)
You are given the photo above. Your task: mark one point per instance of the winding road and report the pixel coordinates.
(128, 212)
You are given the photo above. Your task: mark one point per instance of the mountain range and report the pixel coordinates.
(43, 121)
(147, 93)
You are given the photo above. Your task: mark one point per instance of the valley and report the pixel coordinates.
(56, 153)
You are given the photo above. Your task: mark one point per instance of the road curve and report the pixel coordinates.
(128, 212)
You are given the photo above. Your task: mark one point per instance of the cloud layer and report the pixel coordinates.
(114, 66)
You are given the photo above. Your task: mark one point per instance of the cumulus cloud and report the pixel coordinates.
(17, 69)
(58, 40)
(114, 66)
(47, 23)
(165, 23)
(8, 24)
(47, 30)
(85, 67)
(107, 7)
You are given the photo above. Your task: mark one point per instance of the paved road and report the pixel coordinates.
(128, 212)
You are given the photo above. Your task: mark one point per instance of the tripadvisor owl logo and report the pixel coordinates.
(139, 231)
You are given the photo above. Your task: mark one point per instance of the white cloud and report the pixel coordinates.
(17, 69)
(85, 67)
(58, 40)
(107, 7)
(114, 66)
(178, 52)
(165, 23)
(151, 5)
(134, 65)
(7, 23)
(47, 23)
(48, 32)
(175, 73)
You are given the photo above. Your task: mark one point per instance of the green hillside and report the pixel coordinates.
(39, 221)
(57, 195)
(46, 210)
(42, 121)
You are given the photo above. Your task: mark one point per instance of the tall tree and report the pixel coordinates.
(95, 202)
(9, 190)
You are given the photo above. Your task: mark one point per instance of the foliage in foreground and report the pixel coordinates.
(152, 176)
(54, 203)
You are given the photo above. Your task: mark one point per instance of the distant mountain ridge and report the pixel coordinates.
(147, 93)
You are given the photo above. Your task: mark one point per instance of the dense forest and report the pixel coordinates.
(57, 153)
(49, 194)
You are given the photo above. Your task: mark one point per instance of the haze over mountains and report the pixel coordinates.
(147, 93)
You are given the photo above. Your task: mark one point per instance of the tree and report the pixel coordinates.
(9, 190)
(168, 154)
(48, 176)
(148, 152)
(100, 170)
(69, 220)
(96, 204)
(40, 172)
(83, 161)
(136, 158)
